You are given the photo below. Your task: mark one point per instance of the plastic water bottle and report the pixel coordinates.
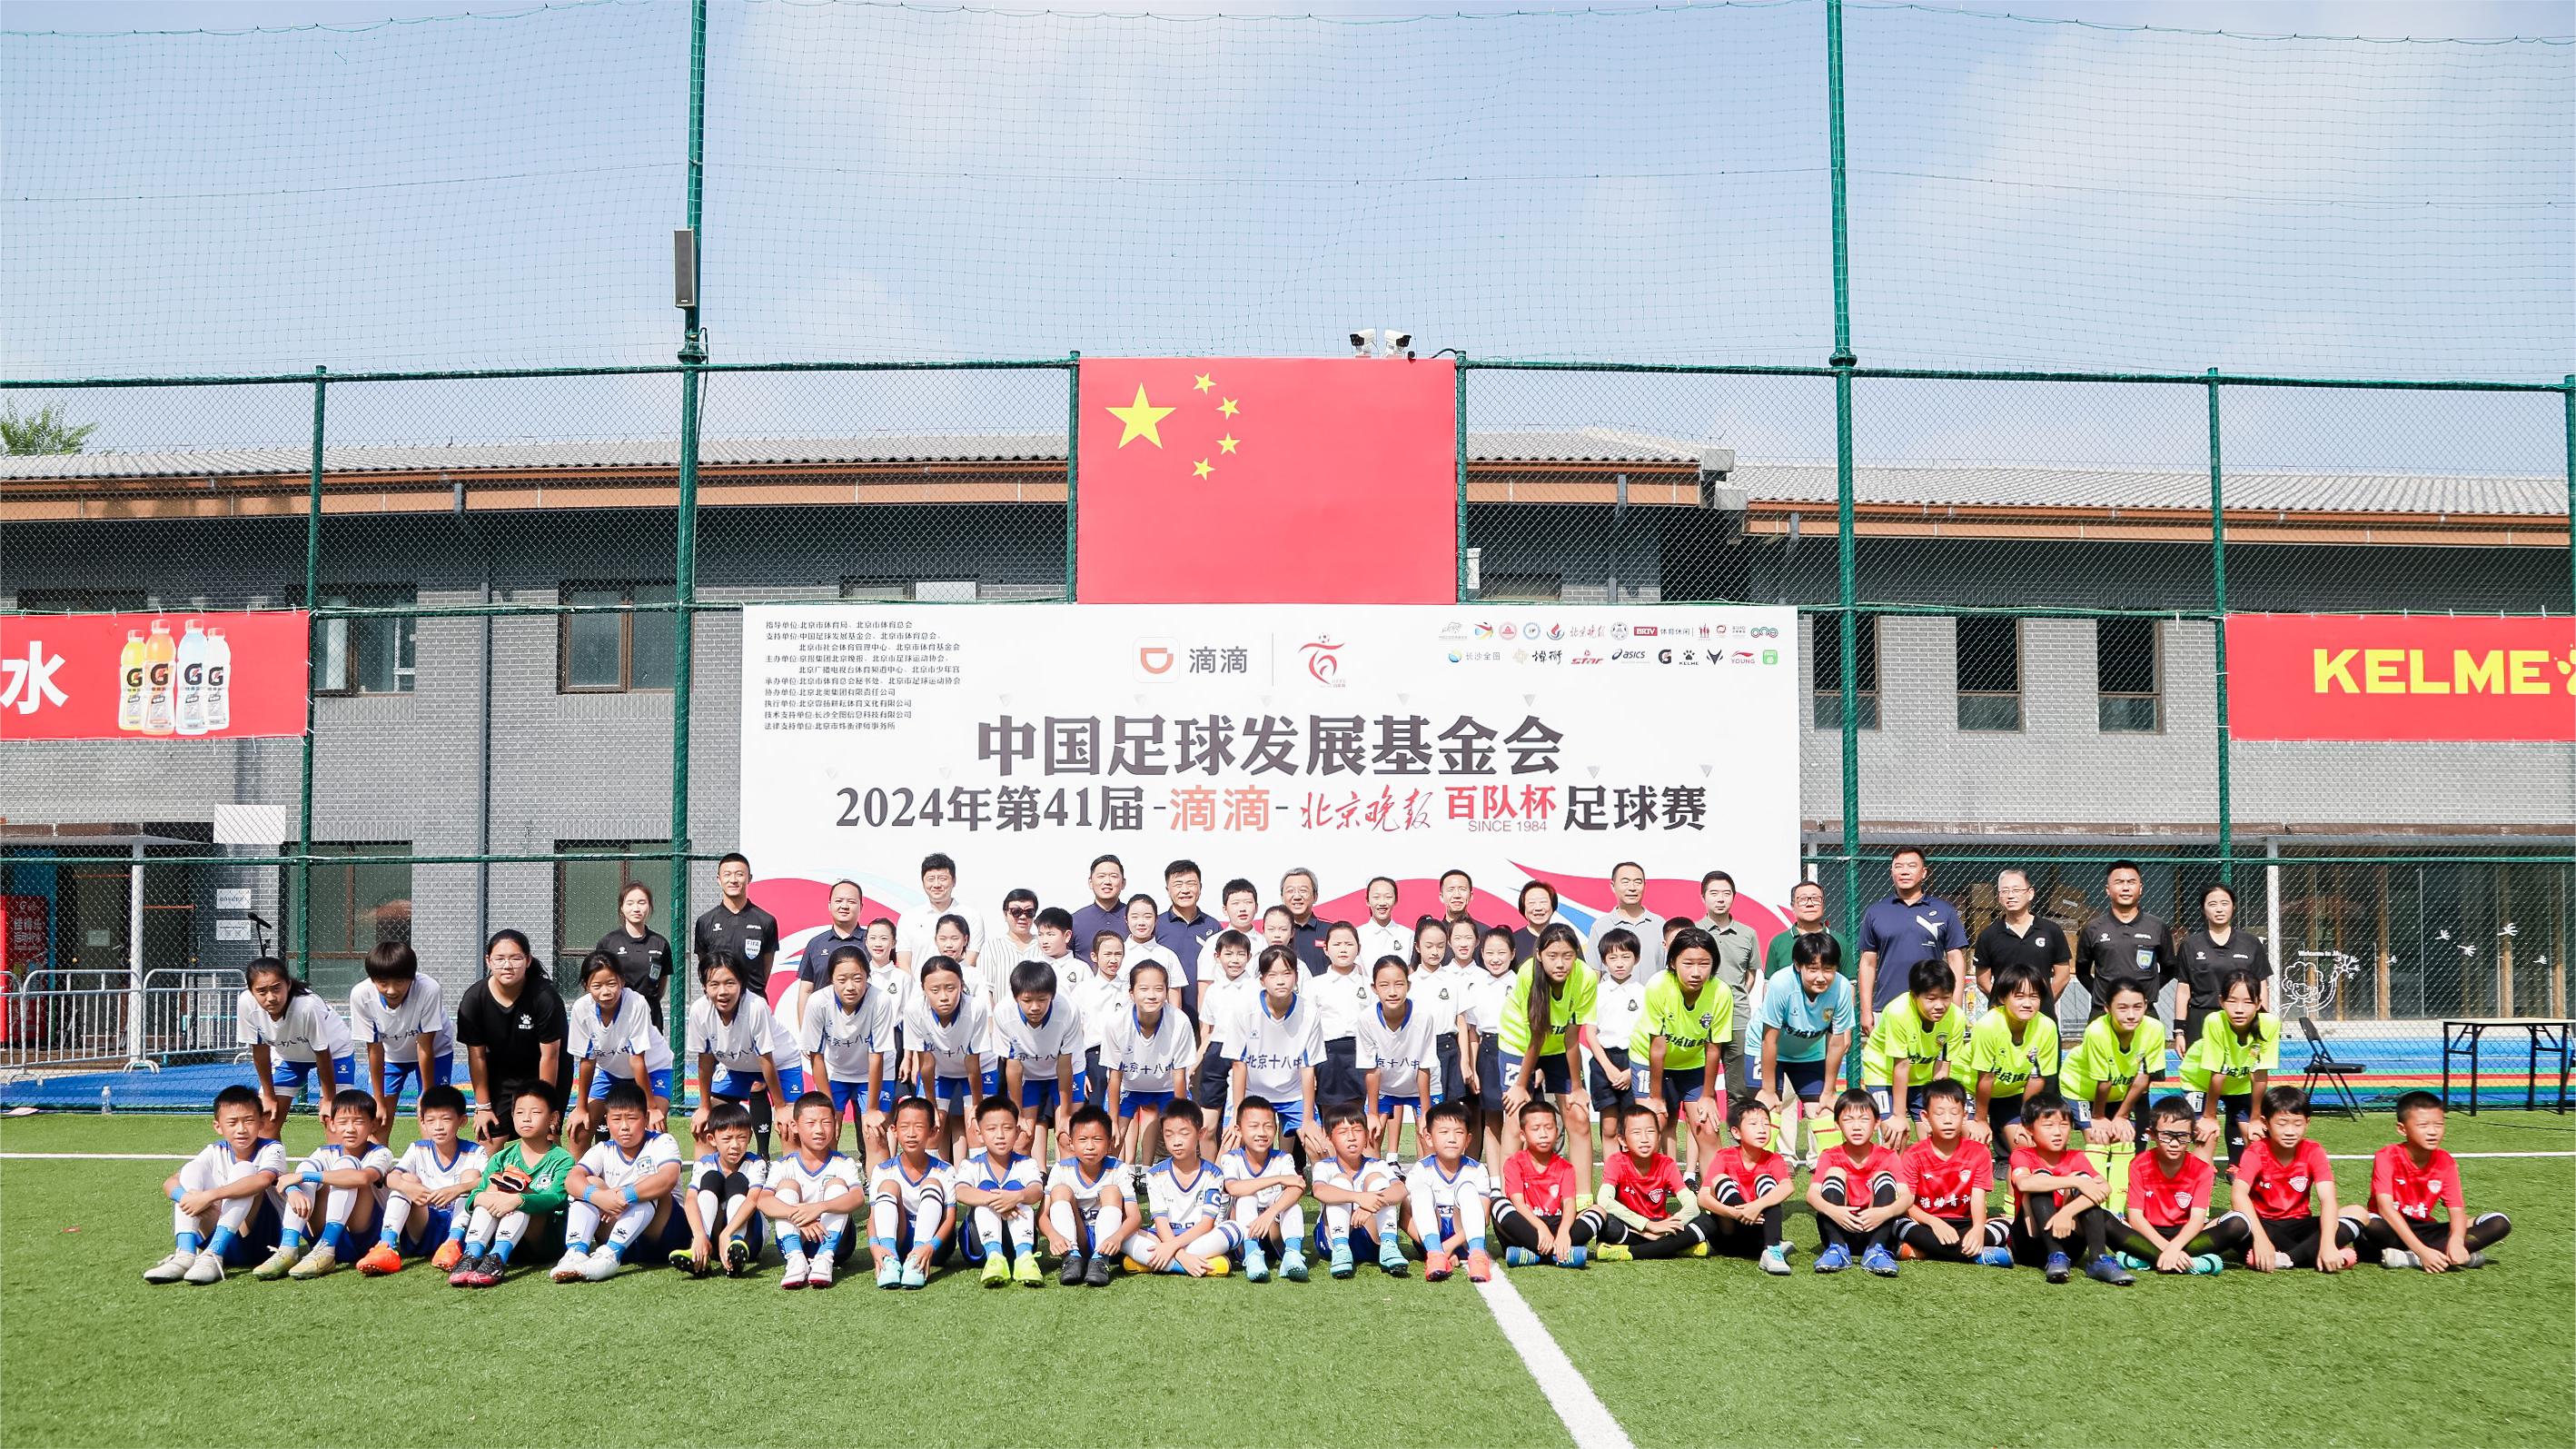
(219, 682)
(190, 707)
(106, 1098)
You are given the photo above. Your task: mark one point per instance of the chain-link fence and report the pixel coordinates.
(2014, 586)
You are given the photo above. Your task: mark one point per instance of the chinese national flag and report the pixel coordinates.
(1261, 480)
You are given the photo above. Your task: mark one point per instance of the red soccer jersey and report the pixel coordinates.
(1945, 1186)
(2070, 1163)
(1859, 1179)
(1544, 1189)
(2167, 1202)
(1752, 1176)
(2417, 1190)
(2280, 1189)
(1647, 1193)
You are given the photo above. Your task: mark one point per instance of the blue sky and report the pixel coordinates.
(1635, 186)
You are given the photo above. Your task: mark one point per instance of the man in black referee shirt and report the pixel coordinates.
(2020, 935)
(2124, 943)
(736, 927)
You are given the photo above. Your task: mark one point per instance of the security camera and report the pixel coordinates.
(1360, 341)
(1397, 341)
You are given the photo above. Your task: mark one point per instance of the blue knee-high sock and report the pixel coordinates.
(335, 1236)
(222, 1241)
(191, 1242)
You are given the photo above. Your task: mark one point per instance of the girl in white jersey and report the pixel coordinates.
(291, 1035)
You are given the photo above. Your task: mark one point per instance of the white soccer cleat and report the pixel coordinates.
(2398, 1258)
(818, 1273)
(170, 1269)
(209, 1268)
(315, 1263)
(2283, 1262)
(601, 1266)
(573, 1268)
(794, 1277)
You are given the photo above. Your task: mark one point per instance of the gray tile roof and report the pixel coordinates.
(1946, 485)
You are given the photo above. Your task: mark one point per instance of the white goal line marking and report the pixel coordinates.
(1568, 1392)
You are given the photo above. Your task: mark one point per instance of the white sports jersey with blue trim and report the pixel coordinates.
(421, 1160)
(1036, 1047)
(1087, 1192)
(837, 1175)
(613, 1044)
(846, 1038)
(978, 1170)
(1186, 1203)
(308, 1023)
(959, 1046)
(1148, 1061)
(1236, 1167)
(932, 1191)
(330, 1157)
(1372, 1175)
(753, 1167)
(398, 1029)
(755, 1034)
(1276, 1050)
(266, 1155)
(1405, 1057)
(609, 1164)
(1446, 1191)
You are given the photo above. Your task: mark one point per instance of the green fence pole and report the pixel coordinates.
(1459, 448)
(1846, 558)
(1072, 466)
(684, 582)
(2218, 637)
(303, 924)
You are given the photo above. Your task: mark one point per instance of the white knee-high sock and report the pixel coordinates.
(1067, 1224)
(512, 1228)
(885, 1222)
(397, 1213)
(629, 1226)
(1292, 1230)
(581, 1224)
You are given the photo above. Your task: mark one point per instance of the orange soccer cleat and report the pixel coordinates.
(449, 1254)
(1480, 1267)
(380, 1259)
(1437, 1266)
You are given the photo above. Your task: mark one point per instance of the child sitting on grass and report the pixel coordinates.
(435, 1174)
(1362, 1198)
(723, 1205)
(2163, 1229)
(1447, 1193)
(2409, 1180)
(1949, 1177)
(224, 1202)
(2283, 1192)
(1746, 1191)
(811, 1193)
(524, 1184)
(342, 1184)
(1534, 1215)
(1858, 1192)
(627, 1179)
(1648, 1214)
(1269, 1195)
(913, 1211)
(2061, 1195)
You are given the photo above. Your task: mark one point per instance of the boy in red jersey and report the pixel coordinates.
(1647, 1214)
(1858, 1192)
(2272, 1189)
(2167, 1227)
(1746, 1190)
(1949, 1177)
(1538, 1186)
(2061, 1195)
(2408, 1180)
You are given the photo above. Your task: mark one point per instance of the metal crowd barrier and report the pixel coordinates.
(62, 1019)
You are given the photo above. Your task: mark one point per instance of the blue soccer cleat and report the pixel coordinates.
(1340, 1264)
(1833, 1259)
(1519, 1258)
(1994, 1257)
(1879, 1261)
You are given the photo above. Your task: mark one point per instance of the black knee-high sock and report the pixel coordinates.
(2038, 1207)
(2096, 1224)
(1884, 1235)
(1827, 1227)
(1517, 1229)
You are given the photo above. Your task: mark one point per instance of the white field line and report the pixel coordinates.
(1580, 1409)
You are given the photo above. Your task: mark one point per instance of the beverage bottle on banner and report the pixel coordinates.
(188, 711)
(159, 654)
(129, 683)
(219, 682)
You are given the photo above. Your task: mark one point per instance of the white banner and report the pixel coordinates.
(1517, 742)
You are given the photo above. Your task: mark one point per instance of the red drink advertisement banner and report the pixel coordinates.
(2400, 677)
(174, 676)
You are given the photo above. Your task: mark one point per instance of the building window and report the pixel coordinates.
(1827, 679)
(587, 893)
(368, 655)
(354, 907)
(877, 590)
(608, 653)
(2128, 669)
(1522, 588)
(1989, 673)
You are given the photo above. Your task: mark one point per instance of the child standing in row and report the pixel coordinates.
(1398, 1056)
(610, 1031)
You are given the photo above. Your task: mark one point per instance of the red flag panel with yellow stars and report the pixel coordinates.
(1262, 480)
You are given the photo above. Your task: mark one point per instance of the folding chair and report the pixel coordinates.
(2324, 1066)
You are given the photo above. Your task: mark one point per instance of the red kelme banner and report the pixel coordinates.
(152, 676)
(1233, 480)
(2400, 677)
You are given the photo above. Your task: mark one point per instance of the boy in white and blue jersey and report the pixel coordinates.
(1040, 1034)
(1226, 989)
(746, 1055)
(425, 1187)
(1362, 1198)
(1088, 1215)
(720, 1199)
(948, 1031)
(849, 1027)
(810, 1195)
(630, 1179)
(1399, 1055)
(342, 1184)
(224, 1199)
(1277, 1044)
(1269, 1196)
(400, 1019)
(610, 1031)
(1191, 1229)
(1448, 1193)
(999, 1190)
(913, 1201)
(1145, 1048)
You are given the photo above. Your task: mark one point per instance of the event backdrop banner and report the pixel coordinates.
(153, 676)
(2400, 677)
(1247, 480)
(1518, 742)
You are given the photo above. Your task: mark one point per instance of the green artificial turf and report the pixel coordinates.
(1688, 1353)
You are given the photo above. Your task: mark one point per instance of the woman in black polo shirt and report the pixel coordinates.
(2208, 956)
(643, 955)
(511, 1024)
